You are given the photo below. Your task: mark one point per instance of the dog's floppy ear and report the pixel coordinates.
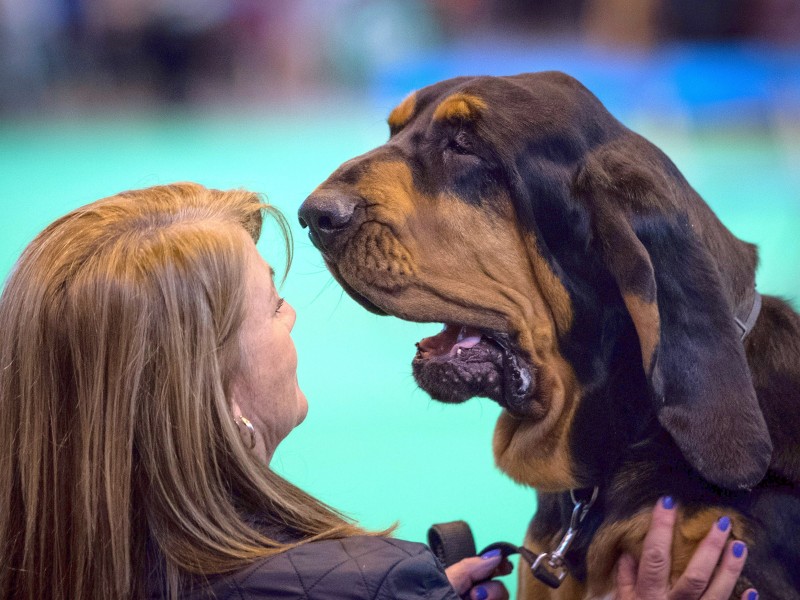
(673, 290)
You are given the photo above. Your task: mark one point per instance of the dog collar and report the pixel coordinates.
(746, 326)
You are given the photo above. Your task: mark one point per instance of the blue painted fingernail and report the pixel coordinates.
(753, 595)
(738, 549)
(723, 523)
(667, 502)
(491, 554)
(482, 594)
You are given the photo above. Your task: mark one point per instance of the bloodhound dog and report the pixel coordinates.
(590, 291)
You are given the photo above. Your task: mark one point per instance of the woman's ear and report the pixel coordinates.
(691, 349)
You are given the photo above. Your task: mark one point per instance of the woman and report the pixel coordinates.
(148, 375)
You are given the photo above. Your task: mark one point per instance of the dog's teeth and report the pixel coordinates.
(458, 352)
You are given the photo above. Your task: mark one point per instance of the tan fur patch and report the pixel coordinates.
(614, 539)
(403, 111)
(648, 326)
(459, 106)
(389, 187)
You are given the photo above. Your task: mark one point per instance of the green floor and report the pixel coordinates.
(373, 445)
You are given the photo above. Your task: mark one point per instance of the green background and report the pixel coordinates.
(373, 445)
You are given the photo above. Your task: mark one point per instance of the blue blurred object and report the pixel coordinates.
(713, 84)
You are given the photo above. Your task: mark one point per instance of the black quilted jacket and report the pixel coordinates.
(357, 568)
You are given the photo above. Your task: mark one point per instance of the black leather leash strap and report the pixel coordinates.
(453, 541)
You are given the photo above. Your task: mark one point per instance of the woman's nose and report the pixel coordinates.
(292, 315)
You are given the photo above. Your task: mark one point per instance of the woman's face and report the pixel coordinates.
(265, 390)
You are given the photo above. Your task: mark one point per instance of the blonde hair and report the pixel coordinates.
(118, 339)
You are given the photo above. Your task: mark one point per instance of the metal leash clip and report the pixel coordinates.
(550, 567)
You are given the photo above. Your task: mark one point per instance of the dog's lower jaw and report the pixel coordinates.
(520, 395)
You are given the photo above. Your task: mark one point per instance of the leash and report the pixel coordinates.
(552, 566)
(454, 541)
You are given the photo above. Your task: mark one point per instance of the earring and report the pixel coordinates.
(250, 428)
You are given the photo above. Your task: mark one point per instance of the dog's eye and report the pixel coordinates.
(460, 144)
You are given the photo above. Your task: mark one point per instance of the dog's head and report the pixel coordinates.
(582, 283)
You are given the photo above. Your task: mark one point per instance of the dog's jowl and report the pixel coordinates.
(588, 289)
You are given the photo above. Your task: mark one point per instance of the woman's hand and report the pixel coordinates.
(702, 578)
(465, 574)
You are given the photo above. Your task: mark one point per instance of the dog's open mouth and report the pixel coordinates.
(462, 362)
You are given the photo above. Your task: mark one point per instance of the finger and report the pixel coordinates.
(654, 564)
(466, 573)
(730, 568)
(626, 578)
(458, 576)
(750, 594)
(694, 580)
(491, 590)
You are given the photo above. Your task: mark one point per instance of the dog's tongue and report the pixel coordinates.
(450, 339)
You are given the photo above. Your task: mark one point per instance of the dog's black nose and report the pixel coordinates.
(326, 214)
